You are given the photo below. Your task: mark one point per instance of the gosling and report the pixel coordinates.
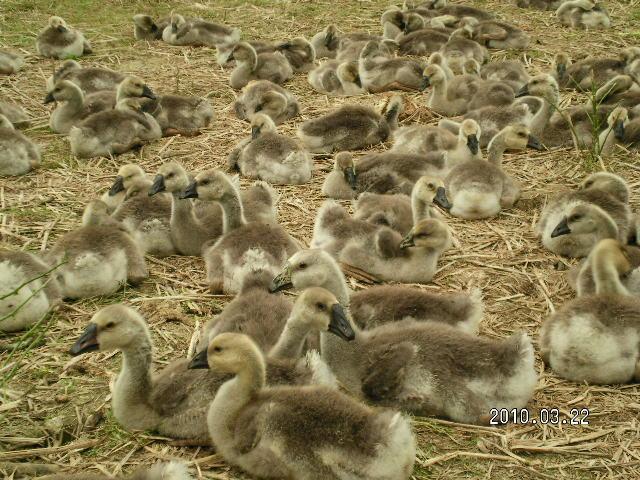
(59, 40)
(18, 154)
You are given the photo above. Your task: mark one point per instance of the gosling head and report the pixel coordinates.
(617, 121)
(138, 188)
(413, 22)
(629, 54)
(229, 353)
(471, 67)
(177, 21)
(243, 52)
(436, 58)
(96, 212)
(347, 72)
(580, 219)
(5, 123)
(470, 132)
(433, 75)
(306, 268)
(261, 124)
(126, 174)
(58, 24)
(429, 233)
(395, 16)
(133, 86)
(211, 186)
(273, 103)
(129, 104)
(299, 44)
(171, 177)
(145, 22)
(518, 137)
(431, 189)
(115, 327)
(63, 91)
(544, 86)
(317, 309)
(607, 182)
(561, 62)
(343, 162)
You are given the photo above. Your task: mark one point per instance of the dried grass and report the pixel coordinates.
(56, 410)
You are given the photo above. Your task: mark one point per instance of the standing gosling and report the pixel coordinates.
(251, 65)
(480, 188)
(596, 337)
(302, 433)
(28, 291)
(351, 127)
(58, 40)
(270, 156)
(18, 154)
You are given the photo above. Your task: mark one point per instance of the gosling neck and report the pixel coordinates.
(543, 115)
(344, 358)
(607, 227)
(335, 283)
(495, 151)
(606, 277)
(292, 338)
(76, 102)
(420, 209)
(233, 213)
(439, 90)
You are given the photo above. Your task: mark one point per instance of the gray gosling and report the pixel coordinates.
(422, 42)
(336, 78)
(242, 243)
(160, 471)
(182, 115)
(585, 14)
(498, 35)
(350, 127)
(539, 4)
(127, 174)
(436, 58)
(620, 132)
(480, 188)
(594, 338)
(15, 113)
(146, 28)
(573, 222)
(395, 22)
(197, 32)
(269, 156)
(29, 290)
(387, 172)
(268, 98)
(251, 65)
(511, 72)
(98, 257)
(300, 54)
(378, 73)
(113, 132)
(461, 47)
(59, 40)
(592, 71)
(327, 42)
(10, 62)
(90, 80)
(380, 304)
(18, 154)
(349, 50)
(323, 429)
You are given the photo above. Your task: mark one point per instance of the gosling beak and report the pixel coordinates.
(199, 360)
(407, 241)
(561, 70)
(523, 92)
(117, 186)
(358, 82)
(350, 176)
(158, 185)
(282, 281)
(441, 198)
(561, 229)
(191, 191)
(88, 341)
(534, 143)
(425, 83)
(255, 131)
(49, 98)
(339, 324)
(618, 130)
(62, 29)
(473, 144)
(147, 92)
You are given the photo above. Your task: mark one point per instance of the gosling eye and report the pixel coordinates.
(575, 218)
(431, 186)
(217, 349)
(170, 175)
(204, 182)
(302, 266)
(588, 184)
(109, 325)
(258, 108)
(11, 305)
(321, 306)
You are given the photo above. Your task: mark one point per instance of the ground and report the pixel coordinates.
(59, 405)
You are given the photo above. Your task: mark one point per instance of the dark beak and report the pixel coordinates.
(350, 177)
(473, 144)
(618, 130)
(88, 341)
(407, 241)
(174, 28)
(158, 185)
(340, 325)
(199, 360)
(62, 29)
(534, 143)
(441, 198)
(561, 69)
(191, 191)
(117, 186)
(49, 98)
(425, 83)
(358, 82)
(523, 92)
(282, 281)
(561, 229)
(147, 92)
(255, 131)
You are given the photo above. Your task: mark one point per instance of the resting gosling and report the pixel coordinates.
(29, 290)
(58, 40)
(583, 14)
(253, 66)
(539, 4)
(498, 35)
(18, 154)
(268, 98)
(160, 471)
(126, 175)
(113, 132)
(15, 113)
(480, 188)
(378, 73)
(90, 79)
(182, 115)
(198, 32)
(241, 242)
(378, 305)
(620, 131)
(270, 156)
(337, 78)
(10, 62)
(310, 421)
(351, 127)
(573, 222)
(98, 257)
(327, 41)
(146, 28)
(299, 52)
(595, 337)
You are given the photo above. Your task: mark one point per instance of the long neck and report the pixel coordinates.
(336, 284)
(182, 214)
(606, 278)
(420, 209)
(233, 212)
(291, 341)
(74, 104)
(607, 227)
(495, 151)
(344, 359)
(542, 116)
(439, 90)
